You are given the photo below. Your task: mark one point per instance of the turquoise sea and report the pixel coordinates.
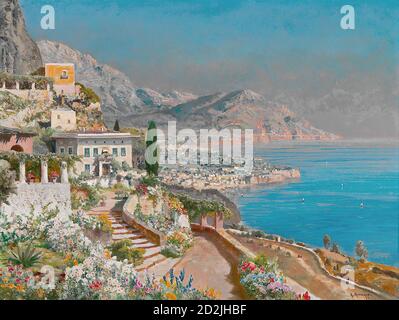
(336, 180)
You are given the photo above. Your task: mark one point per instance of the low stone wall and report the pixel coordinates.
(37, 196)
(37, 95)
(128, 217)
(232, 244)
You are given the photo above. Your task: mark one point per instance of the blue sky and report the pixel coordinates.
(219, 45)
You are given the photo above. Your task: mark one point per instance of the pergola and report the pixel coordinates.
(7, 133)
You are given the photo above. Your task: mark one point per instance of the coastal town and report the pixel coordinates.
(84, 215)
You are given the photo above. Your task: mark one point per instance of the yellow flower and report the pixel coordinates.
(170, 296)
(20, 288)
(67, 258)
(75, 262)
(5, 280)
(107, 254)
(40, 293)
(212, 293)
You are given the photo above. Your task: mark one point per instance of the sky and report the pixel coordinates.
(220, 45)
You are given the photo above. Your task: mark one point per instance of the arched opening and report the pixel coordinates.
(17, 148)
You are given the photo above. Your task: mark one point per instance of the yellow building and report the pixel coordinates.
(63, 119)
(63, 75)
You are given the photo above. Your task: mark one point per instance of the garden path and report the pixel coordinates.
(212, 266)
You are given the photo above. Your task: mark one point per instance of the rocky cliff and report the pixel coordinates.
(19, 54)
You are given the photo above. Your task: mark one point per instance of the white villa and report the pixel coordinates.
(97, 149)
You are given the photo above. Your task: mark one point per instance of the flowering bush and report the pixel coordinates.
(171, 287)
(98, 277)
(92, 222)
(17, 283)
(158, 222)
(175, 205)
(262, 280)
(177, 243)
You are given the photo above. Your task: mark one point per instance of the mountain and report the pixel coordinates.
(153, 98)
(134, 106)
(119, 96)
(19, 54)
(248, 109)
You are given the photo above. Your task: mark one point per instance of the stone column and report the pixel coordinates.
(219, 221)
(44, 171)
(48, 87)
(64, 172)
(17, 85)
(22, 172)
(3, 86)
(33, 86)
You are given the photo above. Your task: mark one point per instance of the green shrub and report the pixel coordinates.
(25, 255)
(170, 253)
(123, 250)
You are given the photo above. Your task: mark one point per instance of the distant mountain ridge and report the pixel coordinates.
(134, 106)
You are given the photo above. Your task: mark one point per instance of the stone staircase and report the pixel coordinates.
(154, 262)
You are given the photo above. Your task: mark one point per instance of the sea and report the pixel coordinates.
(348, 190)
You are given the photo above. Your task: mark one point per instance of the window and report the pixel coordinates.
(69, 121)
(58, 117)
(87, 152)
(123, 152)
(70, 150)
(87, 168)
(115, 152)
(95, 152)
(62, 150)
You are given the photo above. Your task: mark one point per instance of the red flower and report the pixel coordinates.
(96, 285)
(306, 296)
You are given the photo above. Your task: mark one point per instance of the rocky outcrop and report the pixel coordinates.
(19, 54)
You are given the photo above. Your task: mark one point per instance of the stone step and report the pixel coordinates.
(116, 215)
(141, 241)
(151, 252)
(131, 236)
(120, 225)
(119, 221)
(98, 213)
(148, 263)
(123, 231)
(146, 245)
